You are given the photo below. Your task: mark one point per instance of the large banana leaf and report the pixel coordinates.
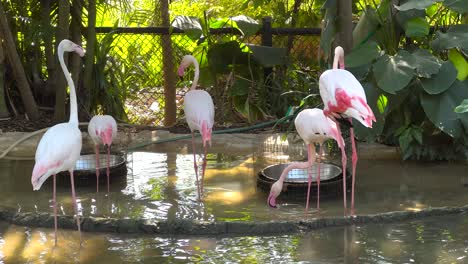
(393, 73)
(362, 54)
(248, 26)
(460, 6)
(416, 4)
(424, 63)
(191, 26)
(456, 37)
(440, 108)
(442, 81)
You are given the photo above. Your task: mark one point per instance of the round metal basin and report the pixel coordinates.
(88, 162)
(296, 182)
(85, 171)
(328, 171)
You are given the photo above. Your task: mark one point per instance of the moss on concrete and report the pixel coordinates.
(204, 228)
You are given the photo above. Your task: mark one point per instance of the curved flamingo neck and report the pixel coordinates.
(73, 103)
(339, 58)
(197, 73)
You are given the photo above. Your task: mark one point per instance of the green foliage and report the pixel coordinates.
(232, 70)
(410, 85)
(109, 92)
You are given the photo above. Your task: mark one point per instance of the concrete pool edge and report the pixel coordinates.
(185, 227)
(238, 141)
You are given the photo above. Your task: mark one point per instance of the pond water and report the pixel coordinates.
(432, 240)
(160, 184)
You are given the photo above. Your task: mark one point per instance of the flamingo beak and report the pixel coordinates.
(272, 201)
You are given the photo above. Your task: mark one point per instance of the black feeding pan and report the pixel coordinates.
(85, 171)
(296, 182)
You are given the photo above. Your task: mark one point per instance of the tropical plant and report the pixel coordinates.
(231, 68)
(402, 55)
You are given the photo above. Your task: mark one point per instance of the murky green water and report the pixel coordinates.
(162, 186)
(433, 240)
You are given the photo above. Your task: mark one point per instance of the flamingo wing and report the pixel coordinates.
(198, 107)
(58, 150)
(342, 93)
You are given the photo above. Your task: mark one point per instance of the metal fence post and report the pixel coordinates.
(170, 107)
(267, 40)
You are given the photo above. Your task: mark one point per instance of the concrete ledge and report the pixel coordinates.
(203, 228)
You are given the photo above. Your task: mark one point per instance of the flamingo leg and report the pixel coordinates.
(96, 150)
(55, 210)
(310, 158)
(318, 176)
(343, 164)
(75, 205)
(354, 162)
(203, 168)
(108, 167)
(195, 165)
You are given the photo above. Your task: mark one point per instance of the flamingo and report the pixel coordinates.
(344, 98)
(313, 127)
(60, 147)
(102, 129)
(199, 113)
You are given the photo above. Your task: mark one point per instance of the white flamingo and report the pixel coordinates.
(313, 127)
(102, 129)
(344, 97)
(60, 147)
(199, 113)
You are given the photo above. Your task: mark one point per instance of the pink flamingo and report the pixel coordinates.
(313, 127)
(102, 129)
(344, 97)
(60, 147)
(199, 113)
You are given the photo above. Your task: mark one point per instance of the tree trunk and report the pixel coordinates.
(88, 82)
(18, 71)
(344, 37)
(170, 107)
(295, 11)
(60, 82)
(48, 46)
(77, 10)
(3, 107)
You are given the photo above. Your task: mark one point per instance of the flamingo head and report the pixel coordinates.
(274, 192)
(339, 58)
(70, 46)
(206, 133)
(184, 64)
(106, 136)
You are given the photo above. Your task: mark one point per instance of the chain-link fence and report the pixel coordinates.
(139, 64)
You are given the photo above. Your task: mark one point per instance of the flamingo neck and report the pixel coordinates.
(73, 103)
(338, 60)
(196, 74)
